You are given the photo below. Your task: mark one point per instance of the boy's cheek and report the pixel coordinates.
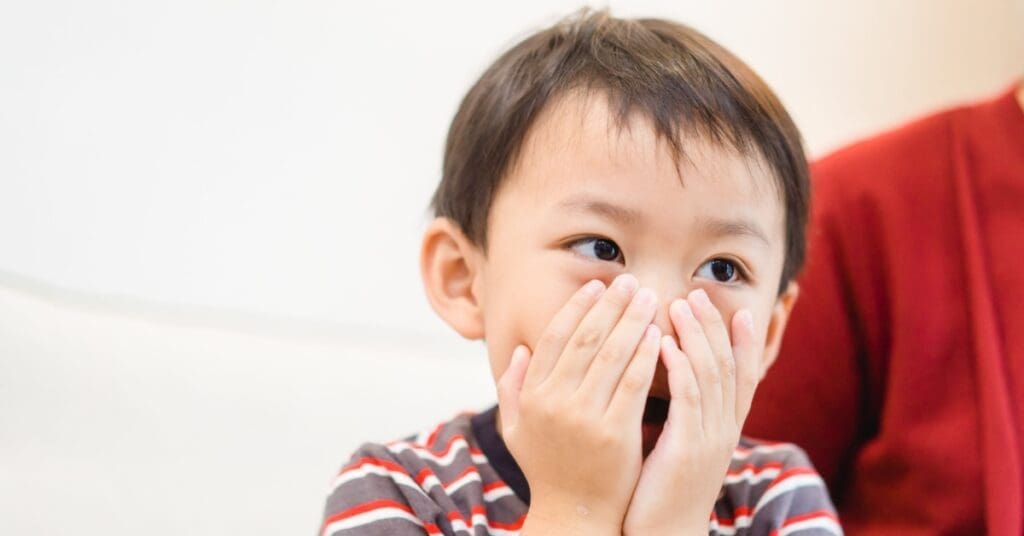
(523, 312)
(729, 302)
(521, 320)
(532, 310)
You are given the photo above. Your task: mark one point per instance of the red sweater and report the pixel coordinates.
(902, 369)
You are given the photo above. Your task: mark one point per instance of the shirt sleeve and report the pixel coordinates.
(795, 502)
(374, 494)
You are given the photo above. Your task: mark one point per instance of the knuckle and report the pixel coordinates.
(690, 395)
(587, 337)
(712, 377)
(582, 401)
(550, 339)
(605, 440)
(606, 355)
(727, 366)
(613, 351)
(527, 404)
(578, 424)
(547, 413)
(633, 382)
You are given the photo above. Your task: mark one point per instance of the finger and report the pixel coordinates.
(558, 331)
(694, 344)
(684, 410)
(721, 347)
(593, 330)
(630, 397)
(748, 363)
(510, 384)
(615, 354)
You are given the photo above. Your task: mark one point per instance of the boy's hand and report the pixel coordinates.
(563, 410)
(712, 384)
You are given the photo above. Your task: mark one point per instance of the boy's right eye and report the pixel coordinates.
(599, 248)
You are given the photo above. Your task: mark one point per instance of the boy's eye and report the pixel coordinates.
(721, 270)
(600, 248)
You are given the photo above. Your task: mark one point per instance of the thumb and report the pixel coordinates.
(510, 384)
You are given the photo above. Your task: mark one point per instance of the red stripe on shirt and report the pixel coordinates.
(755, 468)
(809, 515)
(433, 435)
(817, 514)
(422, 476)
(469, 470)
(739, 511)
(495, 485)
(389, 465)
(379, 504)
(796, 471)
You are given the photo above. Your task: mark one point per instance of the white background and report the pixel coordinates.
(278, 157)
(210, 216)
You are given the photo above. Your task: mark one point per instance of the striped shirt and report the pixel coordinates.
(458, 477)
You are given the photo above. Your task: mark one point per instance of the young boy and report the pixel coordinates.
(620, 219)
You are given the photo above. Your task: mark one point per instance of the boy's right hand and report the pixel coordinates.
(571, 412)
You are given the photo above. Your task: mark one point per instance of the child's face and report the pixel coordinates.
(562, 218)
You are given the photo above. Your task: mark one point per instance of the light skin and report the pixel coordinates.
(683, 259)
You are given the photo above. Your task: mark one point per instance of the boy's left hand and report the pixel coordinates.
(712, 383)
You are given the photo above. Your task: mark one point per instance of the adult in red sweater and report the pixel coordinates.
(902, 369)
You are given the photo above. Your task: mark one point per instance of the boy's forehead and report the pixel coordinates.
(578, 145)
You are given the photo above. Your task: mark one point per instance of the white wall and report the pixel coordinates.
(278, 157)
(224, 184)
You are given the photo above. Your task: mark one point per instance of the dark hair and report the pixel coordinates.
(682, 81)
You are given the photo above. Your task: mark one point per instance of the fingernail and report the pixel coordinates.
(644, 297)
(626, 282)
(653, 333)
(593, 287)
(700, 297)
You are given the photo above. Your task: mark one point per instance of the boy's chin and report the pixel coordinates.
(655, 413)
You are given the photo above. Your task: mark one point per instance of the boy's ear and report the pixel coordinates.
(450, 266)
(777, 324)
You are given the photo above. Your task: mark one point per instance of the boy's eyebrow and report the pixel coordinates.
(718, 227)
(715, 227)
(603, 208)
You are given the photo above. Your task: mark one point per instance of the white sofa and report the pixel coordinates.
(126, 418)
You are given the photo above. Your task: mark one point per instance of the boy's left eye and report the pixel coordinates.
(721, 270)
(599, 248)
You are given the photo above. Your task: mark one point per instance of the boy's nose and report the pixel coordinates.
(662, 320)
(666, 295)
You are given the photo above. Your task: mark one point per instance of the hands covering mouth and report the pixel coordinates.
(598, 356)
